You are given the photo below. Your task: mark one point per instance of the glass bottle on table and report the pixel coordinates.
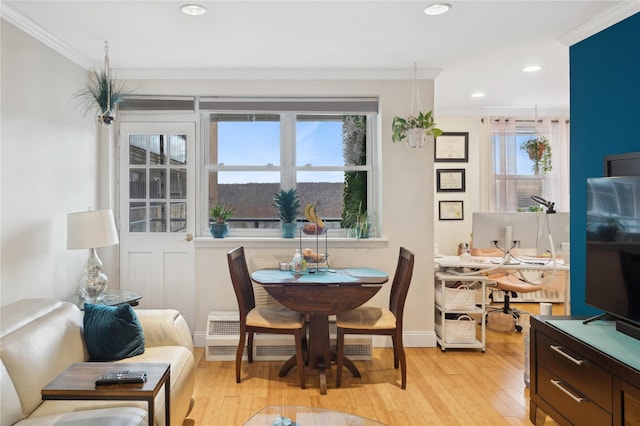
(297, 261)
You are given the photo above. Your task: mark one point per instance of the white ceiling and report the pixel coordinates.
(477, 46)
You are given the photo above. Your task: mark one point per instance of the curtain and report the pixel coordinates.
(556, 183)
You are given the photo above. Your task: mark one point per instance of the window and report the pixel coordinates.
(157, 167)
(515, 181)
(321, 149)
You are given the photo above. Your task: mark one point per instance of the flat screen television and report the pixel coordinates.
(613, 250)
(492, 229)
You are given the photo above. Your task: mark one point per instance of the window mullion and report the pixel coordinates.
(288, 151)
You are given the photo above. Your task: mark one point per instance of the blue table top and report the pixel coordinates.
(322, 277)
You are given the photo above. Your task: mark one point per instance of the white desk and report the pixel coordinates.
(482, 264)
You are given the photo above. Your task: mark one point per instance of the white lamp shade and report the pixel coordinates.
(91, 229)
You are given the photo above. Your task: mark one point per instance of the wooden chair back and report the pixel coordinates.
(400, 285)
(241, 280)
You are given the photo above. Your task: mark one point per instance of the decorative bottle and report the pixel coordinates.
(297, 261)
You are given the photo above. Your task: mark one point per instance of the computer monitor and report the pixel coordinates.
(491, 229)
(558, 225)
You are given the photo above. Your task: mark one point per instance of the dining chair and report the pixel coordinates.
(380, 321)
(261, 319)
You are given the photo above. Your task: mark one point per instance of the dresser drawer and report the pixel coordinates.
(569, 367)
(574, 406)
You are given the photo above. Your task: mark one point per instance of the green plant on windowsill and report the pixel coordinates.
(358, 223)
(220, 215)
(288, 204)
(402, 128)
(539, 150)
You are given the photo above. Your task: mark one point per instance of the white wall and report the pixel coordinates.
(448, 233)
(49, 162)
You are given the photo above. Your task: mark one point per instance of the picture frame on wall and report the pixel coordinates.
(452, 147)
(451, 210)
(450, 180)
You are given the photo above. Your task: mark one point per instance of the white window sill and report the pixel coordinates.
(277, 242)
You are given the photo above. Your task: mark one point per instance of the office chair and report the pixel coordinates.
(510, 286)
(380, 321)
(261, 319)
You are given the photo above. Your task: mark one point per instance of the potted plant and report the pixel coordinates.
(102, 95)
(539, 150)
(287, 203)
(414, 129)
(358, 223)
(220, 214)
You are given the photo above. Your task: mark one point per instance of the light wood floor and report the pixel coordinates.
(455, 387)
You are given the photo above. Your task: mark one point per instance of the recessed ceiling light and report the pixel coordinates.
(477, 95)
(532, 68)
(193, 9)
(437, 9)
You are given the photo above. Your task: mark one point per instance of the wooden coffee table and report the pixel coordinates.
(78, 383)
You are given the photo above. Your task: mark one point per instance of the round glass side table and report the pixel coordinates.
(111, 297)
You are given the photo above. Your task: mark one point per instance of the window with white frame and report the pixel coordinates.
(255, 148)
(513, 169)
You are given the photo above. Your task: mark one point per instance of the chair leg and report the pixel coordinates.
(250, 348)
(239, 353)
(403, 361)
(299, 359)
(395, 351)
(339, 355)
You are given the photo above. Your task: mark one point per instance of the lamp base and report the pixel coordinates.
(93, 283)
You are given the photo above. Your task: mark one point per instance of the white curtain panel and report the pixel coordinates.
(556, 183)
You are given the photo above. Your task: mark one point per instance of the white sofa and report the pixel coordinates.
(40, 338)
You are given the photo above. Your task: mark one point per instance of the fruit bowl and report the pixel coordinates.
(316, 258)
(312, 257)
(313, 229)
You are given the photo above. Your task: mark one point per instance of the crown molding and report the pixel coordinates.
(276, 74)
(600, 22)
(16, 18)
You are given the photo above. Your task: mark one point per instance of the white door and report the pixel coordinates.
(157, 213)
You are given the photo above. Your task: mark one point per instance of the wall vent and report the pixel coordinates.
(223, 329)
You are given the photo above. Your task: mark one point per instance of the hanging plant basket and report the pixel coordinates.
(414, 129)
(103, 94)
(539, 150)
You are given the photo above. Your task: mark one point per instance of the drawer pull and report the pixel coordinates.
(558, 384)
(559, 350)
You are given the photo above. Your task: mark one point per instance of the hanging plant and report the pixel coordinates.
(424, 123)
(415, 128)
(103, 93)
(539, 150)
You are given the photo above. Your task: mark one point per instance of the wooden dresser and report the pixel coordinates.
(583, 374)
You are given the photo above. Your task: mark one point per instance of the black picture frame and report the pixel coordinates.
(451, 147)
(450, 180)
(451, 210)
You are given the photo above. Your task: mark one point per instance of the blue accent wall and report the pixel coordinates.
(605, 112)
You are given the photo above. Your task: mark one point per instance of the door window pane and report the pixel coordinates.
(154, 180)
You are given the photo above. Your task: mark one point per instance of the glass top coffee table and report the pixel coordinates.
(112, 297)
(290, 415)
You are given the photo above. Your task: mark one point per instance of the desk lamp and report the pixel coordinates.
(90, 230)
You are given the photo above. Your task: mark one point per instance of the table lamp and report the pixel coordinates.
(90, 230)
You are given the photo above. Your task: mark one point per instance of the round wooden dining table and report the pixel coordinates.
(321, 294)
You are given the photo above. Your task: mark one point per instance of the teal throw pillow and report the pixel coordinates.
(112, 332)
